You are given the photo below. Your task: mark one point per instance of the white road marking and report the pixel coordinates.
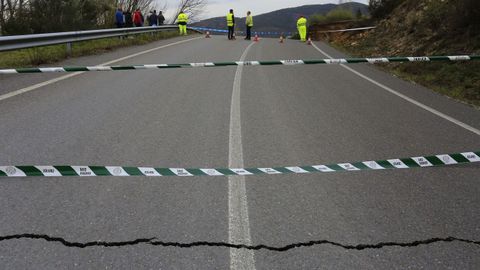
(238, 222)
(45, 83)
(419, 104)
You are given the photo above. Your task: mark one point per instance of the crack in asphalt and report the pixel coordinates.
(154, 242)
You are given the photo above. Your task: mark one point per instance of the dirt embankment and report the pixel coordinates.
(419, 28)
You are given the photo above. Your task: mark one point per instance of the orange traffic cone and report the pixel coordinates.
(309, 41)
(207, 35)
(281, 39)
(255, 38)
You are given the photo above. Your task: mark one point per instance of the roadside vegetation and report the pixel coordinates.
(45, 16)
(419, 28)
(335, 15)
(18, 17)
(52, 54)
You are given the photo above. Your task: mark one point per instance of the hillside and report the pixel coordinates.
(283, 20)
(424, 27)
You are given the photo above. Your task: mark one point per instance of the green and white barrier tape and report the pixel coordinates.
(245, 63)
(401, 163)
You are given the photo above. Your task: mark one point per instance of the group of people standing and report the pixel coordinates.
(301, 26)
(127, 19)
(182, 21)
(231, 25)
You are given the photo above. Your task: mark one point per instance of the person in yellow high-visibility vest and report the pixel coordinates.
(182, 21)
(302, 28)
(249, 24)
(230, 24)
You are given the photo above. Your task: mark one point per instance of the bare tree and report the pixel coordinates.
(143, 5)
(2, 15)
(31, 16)
(9, 9)
(193, 8)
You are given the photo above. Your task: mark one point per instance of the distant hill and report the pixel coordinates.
(283, 20)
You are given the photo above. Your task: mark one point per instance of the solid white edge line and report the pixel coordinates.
(421, 105)
(238, 221)
(45, 83)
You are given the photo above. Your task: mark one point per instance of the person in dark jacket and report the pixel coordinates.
(153, 19)
(119, 18)
(128, 19)
(161, 19)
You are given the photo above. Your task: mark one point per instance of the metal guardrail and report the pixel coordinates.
(9, 43)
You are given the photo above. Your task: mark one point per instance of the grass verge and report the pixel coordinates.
(459, 80)
(51, 54)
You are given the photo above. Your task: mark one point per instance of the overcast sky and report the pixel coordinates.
(217, 8)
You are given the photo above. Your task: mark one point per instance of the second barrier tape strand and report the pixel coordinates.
(119, 171)
(376, 60)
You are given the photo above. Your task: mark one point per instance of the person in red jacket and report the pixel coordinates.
(137, 18)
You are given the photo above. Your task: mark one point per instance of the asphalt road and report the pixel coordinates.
(277, 116)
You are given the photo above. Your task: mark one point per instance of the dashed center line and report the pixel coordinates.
(238, 222)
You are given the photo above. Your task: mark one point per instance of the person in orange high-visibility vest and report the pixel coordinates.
(302, 28)
(182, 21)
(230, 24)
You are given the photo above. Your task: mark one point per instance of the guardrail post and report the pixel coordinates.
(69, 48)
